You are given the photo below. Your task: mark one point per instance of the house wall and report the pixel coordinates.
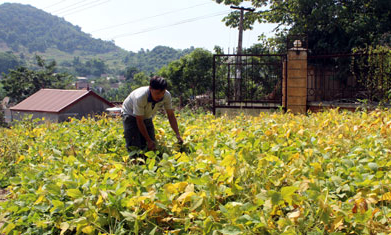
(89, 105)
(19, 115)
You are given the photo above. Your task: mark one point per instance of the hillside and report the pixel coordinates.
(24, 26)
(152, 60)
(26, 31)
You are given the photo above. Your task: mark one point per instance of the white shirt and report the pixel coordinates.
(139, 103)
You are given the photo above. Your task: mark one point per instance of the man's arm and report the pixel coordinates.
(174, 124)
(143, 130)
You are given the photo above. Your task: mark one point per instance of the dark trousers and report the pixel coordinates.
(133, 136)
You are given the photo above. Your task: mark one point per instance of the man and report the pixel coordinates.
(138, 110)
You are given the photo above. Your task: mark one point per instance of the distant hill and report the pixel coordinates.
(152, 60)
(26, 31)
(24, 26)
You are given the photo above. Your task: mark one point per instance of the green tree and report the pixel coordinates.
(191, 75)
(150, 61)
(130, 72)
(23, 82)
(8, 61)
(331, 25)
(140, 79)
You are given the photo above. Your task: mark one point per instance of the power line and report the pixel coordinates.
(55, 4)
(74, 8)
(69, 6)
(174, 24)
(150, 17)
(98, 4)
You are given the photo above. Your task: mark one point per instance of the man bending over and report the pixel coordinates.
(138, 110)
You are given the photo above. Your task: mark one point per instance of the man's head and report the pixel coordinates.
(157, 87)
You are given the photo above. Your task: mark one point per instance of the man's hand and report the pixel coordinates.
(151, 145)
(180, 140)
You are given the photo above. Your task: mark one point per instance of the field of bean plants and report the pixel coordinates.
(276, 173)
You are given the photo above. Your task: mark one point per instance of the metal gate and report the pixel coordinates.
(248, 81)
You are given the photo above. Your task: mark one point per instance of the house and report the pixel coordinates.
(82, 83)
(58, 105)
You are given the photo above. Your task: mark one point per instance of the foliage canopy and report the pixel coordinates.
(321, 173)
(22, 82)
(331, 26)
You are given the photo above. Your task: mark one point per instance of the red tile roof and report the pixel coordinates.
(54, 100)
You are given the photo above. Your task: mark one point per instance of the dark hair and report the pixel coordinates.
(158, 83)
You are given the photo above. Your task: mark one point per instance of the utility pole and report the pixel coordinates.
(240, 41)
(238, 80)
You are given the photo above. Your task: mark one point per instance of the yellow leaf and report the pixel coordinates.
(288, 134)
(21, 158)
(176, 208)
(88, 229)
(100, 201)
(340, 136)
(337, 223)
(39, 200)
(317, 168)
(170, 188)
(229, 160)
(181, 186)
(386, 197)
(185, 197)
(131, 203)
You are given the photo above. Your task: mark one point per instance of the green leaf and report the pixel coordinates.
(74, 193)
(373, 166)
(208, 223)
(287, 193)
(151, 164)
(150, 154)
(276, 197)
(230, 230)
(57, 205)
(9, 228)
(129, 216)
(197, 204)
(153, 231)
(53, 189)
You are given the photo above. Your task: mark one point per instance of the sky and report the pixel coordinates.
(137, 24)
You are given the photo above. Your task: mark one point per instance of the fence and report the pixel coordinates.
(348, 78)
(247, 81)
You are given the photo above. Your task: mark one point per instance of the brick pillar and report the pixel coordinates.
(297, 80)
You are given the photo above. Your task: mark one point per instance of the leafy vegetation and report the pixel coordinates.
(321, 173)
(191, 75)
(21, 82)
(151, 61)
(332, 26)
(8, 61)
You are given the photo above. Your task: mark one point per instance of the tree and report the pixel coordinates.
(139, 80)
(191, 75)
(331, 25)
(130, 72)
(8, 61)
(23, 82)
